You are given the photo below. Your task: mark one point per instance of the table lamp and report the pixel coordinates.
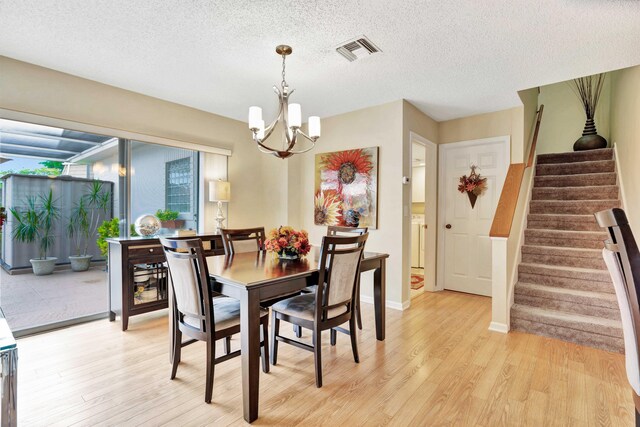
(219, 191)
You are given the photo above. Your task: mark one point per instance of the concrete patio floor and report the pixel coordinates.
(30, 301)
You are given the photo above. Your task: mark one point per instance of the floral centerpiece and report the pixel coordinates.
(288, 243)
(473, 185)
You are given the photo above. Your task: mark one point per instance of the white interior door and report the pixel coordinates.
(465, 246)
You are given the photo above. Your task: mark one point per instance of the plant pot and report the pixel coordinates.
(174, 223)
(42, 267)
(80, 262)
(590, 140)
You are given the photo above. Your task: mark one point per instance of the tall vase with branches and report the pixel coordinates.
(588, 89)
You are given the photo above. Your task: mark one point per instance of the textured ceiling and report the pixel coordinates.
(450, 58)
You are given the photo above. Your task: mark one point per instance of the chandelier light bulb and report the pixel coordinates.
(255, 116)
(295, 115)
(314, 126)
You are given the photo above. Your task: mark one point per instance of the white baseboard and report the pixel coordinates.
(389, 304)
(498, 327)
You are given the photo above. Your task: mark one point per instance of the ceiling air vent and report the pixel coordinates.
(357, 48)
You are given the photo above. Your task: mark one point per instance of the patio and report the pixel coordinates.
(31, 301)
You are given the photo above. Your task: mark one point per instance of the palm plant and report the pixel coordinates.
(36, 221)
(85, 216)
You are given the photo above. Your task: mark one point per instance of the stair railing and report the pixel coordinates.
(503, 218)
(503, 250)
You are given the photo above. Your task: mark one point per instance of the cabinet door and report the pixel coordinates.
(415, 246)
(422, 233)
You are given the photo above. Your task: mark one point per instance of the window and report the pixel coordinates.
(179, 185)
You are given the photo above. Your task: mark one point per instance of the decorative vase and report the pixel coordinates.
(80, 262)
(288, 255)
(472, 198)
(43, 267)
(590, 140)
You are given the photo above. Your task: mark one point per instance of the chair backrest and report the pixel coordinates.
(336, 230)
(241, 240)
(625, 268)
(190, 282)
(339, 270)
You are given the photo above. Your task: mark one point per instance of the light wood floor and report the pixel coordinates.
(438, 366)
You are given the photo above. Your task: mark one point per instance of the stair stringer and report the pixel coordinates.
(516, 247)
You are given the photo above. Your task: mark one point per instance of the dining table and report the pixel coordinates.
(256, 277)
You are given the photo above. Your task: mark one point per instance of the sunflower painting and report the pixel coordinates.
(346, 191)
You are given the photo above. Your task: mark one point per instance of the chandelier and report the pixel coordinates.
(291, 116)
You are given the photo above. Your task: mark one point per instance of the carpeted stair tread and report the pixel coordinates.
(603, 342)
(566, 272)
(578, 322)
(571, 207)
(563, 256)
(576, 156)
(565, 282)
(576, 180)
(597, 192)
(562, 222)
(565, 238)
(597, 166)
(575, 301)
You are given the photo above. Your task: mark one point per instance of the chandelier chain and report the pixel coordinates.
(284, 82)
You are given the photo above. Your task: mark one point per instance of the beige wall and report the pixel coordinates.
(563, 118)
(499, 123)
(625, 134)
(379, 126)
(31, 89)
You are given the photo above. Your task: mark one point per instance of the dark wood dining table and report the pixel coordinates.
(254, 277)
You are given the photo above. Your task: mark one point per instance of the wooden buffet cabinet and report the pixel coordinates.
(138, 276)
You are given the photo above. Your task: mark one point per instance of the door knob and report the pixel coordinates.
(448, 226)
(425, 226)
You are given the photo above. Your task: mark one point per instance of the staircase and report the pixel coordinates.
(564, 290)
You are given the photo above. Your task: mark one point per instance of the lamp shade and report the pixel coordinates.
(314, 126)
(219, 191)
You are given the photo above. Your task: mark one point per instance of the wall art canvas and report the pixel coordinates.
(346, 188)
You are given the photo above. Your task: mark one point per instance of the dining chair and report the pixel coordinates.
(335, 230)
(242, 240)
(197, 314)
(330, 306)
(622, 258)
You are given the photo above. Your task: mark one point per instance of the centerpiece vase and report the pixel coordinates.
(590, 140)
(288, 255)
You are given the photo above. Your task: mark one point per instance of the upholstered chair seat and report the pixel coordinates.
(226, 312)
(304, 307)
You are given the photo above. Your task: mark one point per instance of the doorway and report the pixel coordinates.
(464, 246)
(424, 155)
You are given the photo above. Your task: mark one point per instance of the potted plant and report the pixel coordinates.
(35, 222)
(83, 223)
(169, 218)
(588, 90)
(108, 228)
(288, 243)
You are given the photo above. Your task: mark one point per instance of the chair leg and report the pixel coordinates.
(275, 329)
(211, 355)
(264, 350)
(298, 330)
(354, 344)
(177, 349)
(317, 356)
(227, 345)
(334, 335)
(358, 307)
